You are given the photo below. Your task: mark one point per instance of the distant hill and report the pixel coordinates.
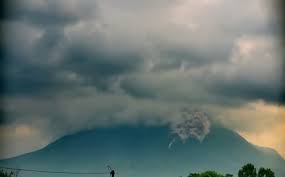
(144, 152)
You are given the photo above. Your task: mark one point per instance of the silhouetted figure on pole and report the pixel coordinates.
(112, 173)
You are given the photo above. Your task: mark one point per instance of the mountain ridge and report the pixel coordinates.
(145, 150)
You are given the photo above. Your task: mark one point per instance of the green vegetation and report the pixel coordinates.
(206, 174)
(250, 171)
(262, 172)
(247, 170)
(4, 174)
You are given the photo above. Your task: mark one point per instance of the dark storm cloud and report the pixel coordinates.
(57, 55)
(28, 72)
(52, 62)
(248, 91)
(32, 32)
(42, 13)
(96, 67)
(99, 65)
(29, 80)
(71, 65)
(50, 39)
(139, 88)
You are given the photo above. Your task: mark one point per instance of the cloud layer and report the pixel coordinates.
(72, 65)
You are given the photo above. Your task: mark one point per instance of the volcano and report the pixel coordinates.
(142, 151)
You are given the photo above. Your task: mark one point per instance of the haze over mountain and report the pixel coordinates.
(141, 151)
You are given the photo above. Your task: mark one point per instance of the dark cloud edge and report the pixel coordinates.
(280, 10)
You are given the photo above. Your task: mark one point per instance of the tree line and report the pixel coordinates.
(247, 170)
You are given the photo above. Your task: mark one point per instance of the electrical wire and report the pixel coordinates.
(49, 171)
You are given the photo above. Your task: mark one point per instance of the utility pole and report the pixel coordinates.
(112, 172)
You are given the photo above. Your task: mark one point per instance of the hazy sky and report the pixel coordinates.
(70, 65)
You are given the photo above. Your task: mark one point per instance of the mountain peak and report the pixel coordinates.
(144, 151)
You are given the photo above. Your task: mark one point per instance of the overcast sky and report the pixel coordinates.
(71, 65)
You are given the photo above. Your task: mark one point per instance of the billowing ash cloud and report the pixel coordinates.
(190, 124)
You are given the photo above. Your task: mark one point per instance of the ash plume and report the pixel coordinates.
(190, 124)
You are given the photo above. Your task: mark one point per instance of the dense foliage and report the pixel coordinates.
(206, 174)
(4, 174)
(250, 171)
(247, 170)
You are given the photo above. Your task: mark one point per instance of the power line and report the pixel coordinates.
(62, 172)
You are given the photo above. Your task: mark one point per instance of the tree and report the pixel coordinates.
(3, 174)
(206, 174)
(211, 174)
(229, 175)
(262, 172)
(247, 171)
(194, 175)
(8, 174)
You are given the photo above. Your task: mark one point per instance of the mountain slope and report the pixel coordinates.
(144, 151)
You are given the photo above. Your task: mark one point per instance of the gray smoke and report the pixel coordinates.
(190, 124)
